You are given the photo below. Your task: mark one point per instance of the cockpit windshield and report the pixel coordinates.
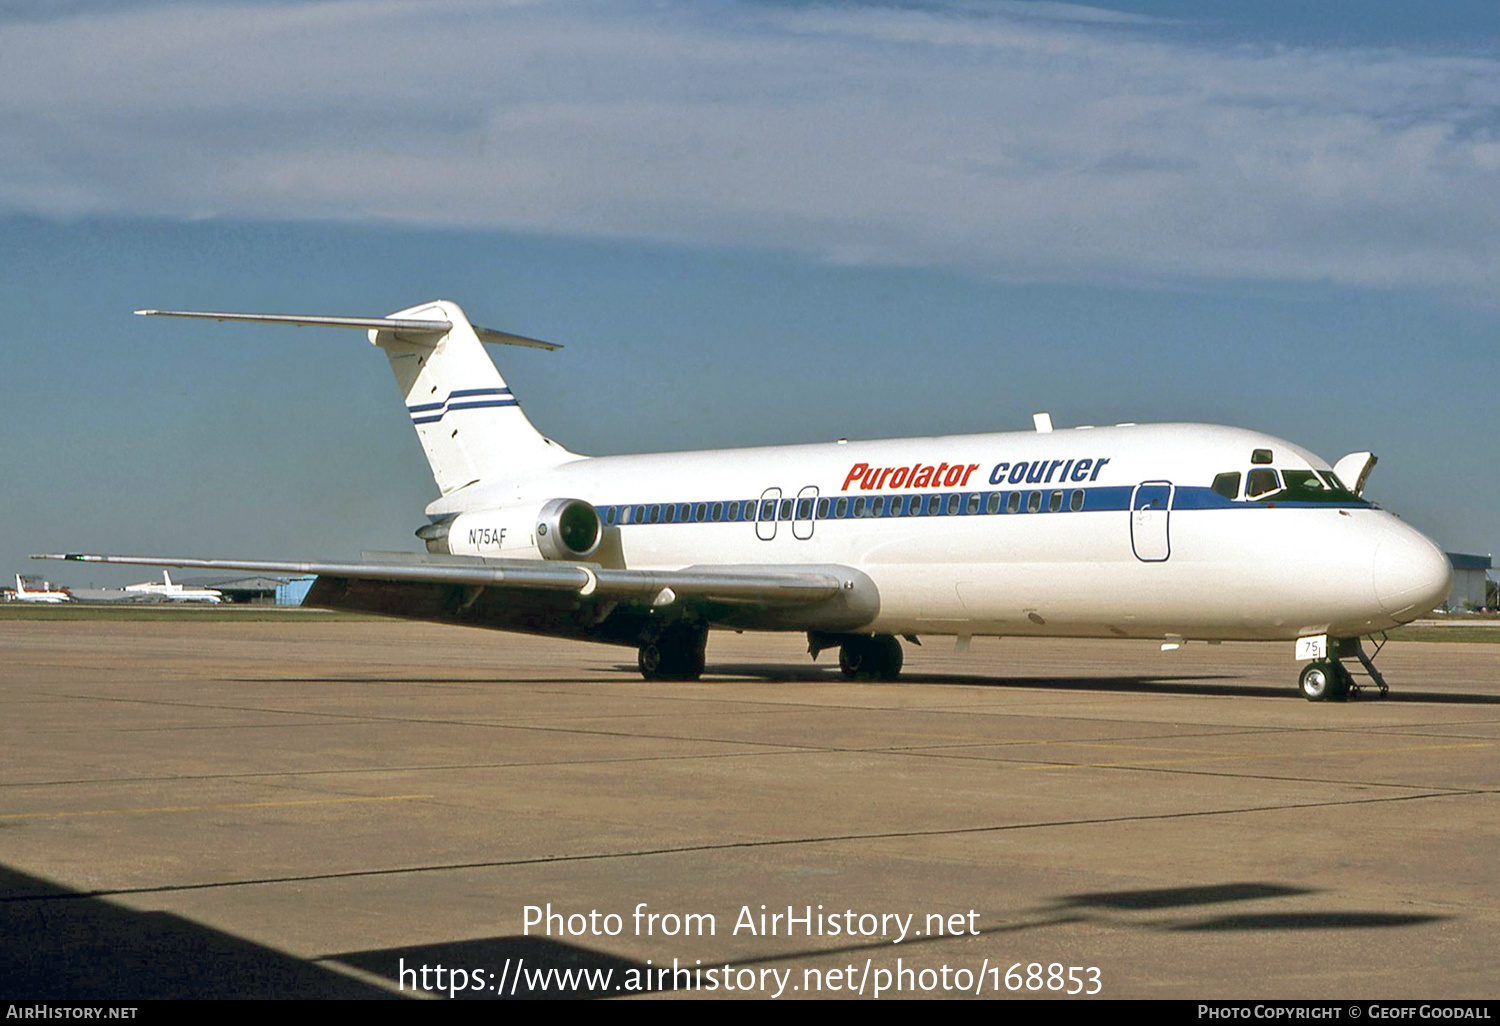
(1312, 486)
(1265, 484)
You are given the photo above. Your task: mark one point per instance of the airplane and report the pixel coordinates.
(174, 592)
(50, 597)
(1168, 532)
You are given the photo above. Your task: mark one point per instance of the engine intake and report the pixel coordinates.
(568, 529)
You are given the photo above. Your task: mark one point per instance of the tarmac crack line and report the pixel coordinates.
(344, 800)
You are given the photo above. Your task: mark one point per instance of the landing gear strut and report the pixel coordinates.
(675, 653)
(1329, 680)
(872, 658)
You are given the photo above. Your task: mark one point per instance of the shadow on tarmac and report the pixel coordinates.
(1203, 684)
(57, 944)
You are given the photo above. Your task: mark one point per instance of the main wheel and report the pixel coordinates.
(890, 656)
(877, 658)
(1321, 681)
(855, 657)
(649, 659)
(678, 654)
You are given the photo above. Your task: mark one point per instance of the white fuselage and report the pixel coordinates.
(1105, 532)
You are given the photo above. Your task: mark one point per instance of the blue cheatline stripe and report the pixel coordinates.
(430, 413)
(1099, 499)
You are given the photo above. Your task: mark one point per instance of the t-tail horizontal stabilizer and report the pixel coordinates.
(405, 326)
(471, 428)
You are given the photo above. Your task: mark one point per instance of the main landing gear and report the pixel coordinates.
(870, 658)
(861, 656)
(1329, 680)
(676, 652)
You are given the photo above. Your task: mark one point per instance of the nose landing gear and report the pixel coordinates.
(1329, 680)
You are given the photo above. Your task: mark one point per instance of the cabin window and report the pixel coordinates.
(718, 512)
(1034, 502)
(786, 509)
(1055, 503)
(840, 508)
(992, 504)
(972, 506)
(1013, 503)
(655, 513)
(823, 505)
(768, 510)
(877, 506)
(1261, 481)
(700, 512)
(804, 509)
(1075, 501)
(859, 506)
(1228, 484)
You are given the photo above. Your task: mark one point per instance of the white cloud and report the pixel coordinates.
(1031, 141)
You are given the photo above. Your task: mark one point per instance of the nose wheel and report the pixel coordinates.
(1324, 681)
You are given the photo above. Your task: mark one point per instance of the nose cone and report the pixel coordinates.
(1412, 575)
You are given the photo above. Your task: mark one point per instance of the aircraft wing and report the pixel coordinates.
(765, 585)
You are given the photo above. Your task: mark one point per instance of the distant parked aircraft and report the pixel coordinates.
(53, 597)
(174, 592)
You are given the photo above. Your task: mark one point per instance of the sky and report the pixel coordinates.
(748, 223)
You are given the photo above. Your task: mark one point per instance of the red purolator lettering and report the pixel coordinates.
(916, 475)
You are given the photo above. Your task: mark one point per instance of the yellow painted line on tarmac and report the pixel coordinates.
(214, 808)
(1257, 755)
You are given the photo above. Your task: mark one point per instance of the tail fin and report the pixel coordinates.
(469, 423)
(166, 578)
(465, 415)
(20, 588)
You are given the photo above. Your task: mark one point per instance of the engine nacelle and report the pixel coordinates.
(556, 529)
